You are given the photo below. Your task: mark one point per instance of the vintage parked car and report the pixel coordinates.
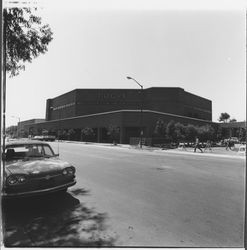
(32, 168)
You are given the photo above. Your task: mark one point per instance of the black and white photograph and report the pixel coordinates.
(123, 123)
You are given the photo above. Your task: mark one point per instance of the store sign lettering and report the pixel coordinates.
(105, 96)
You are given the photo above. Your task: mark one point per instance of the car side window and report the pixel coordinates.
(10, 154)
(47, 151)
(33, 151)
(40, 150)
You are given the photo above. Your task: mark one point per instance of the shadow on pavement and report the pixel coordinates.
(53, 221)
(79, 191)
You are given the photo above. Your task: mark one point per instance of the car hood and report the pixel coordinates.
(36, 166)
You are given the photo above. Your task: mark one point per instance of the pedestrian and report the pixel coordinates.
(208, 146)
(197, 145)
(229, 144)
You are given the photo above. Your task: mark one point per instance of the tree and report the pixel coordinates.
(233, 120)
(64, 134)
(59, 133)
(160, 128)
(170, 130)
(113, 132)
(206, 132)
(26, 38)
(71, 133)
(219, 133)
(45, 132)
(242, 134)
(179, 131)
(191, 132)
(87, 133)
(12, 131)
(224, 117)
(52, 132)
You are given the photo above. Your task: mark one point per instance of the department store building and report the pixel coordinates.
(127, 109)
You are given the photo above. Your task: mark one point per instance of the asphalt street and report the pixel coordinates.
(130, 197)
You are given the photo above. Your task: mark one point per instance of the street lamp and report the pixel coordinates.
(19, 124)
(141, 134)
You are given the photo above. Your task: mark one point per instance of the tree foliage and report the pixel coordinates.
(26, 38)
(11, 130)
(114, 132)
(178, 132)
(71, 133)
(87, 134)
(218, 133)
(224, 117)
(242, 134)
(87, 131)
(206, 132)
(191, 132)
(160, 128)
(45, 132)
(170, 130)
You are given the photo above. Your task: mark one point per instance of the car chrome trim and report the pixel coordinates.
(39, 192)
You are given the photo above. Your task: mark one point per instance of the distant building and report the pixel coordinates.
(23, 125)
(100, 108)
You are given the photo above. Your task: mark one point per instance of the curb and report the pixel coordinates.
(206, 154)
(157, 150)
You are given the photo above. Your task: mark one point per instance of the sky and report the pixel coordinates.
(199, 46)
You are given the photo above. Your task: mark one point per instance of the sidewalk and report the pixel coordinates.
(216, 151)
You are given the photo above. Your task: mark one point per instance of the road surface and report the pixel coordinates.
(130, 197)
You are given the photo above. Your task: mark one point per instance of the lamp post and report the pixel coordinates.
(141, 133)
(18, 124)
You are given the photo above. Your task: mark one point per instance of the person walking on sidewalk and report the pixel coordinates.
(229, 144)
(197, 145)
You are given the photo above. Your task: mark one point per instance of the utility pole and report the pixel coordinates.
(1, 55)
(141, 123)
(2, 164)
(4, 78)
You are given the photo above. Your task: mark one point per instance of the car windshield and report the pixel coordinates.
(18, 152)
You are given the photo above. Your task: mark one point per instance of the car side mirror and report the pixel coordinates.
(56, 154)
